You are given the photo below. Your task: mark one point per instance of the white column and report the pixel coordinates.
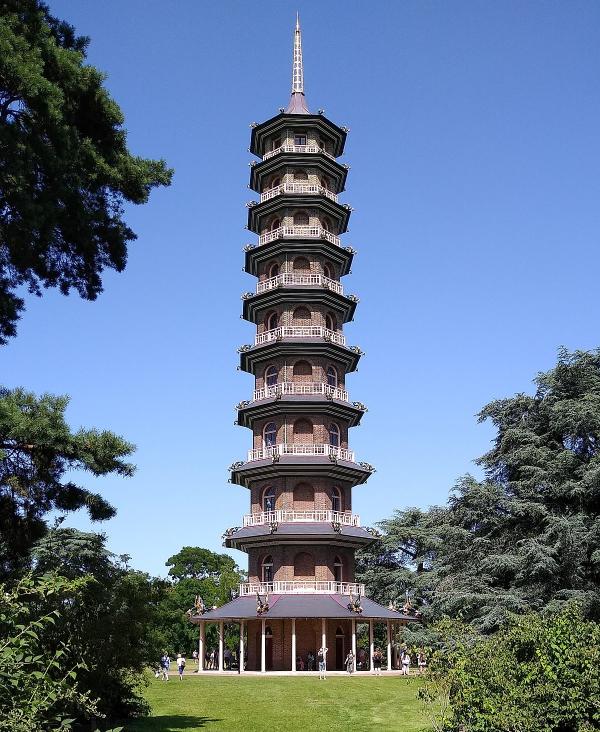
(389, 645)
(371, 645)
(221, 643)
(293, 644)
(241, 656)
(324, 638)
(354, 641)
(201, 647)
(263, 648)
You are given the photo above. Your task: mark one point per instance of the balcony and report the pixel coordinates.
(292, 389)
(301, 586)
(298, 517)
(291, 188)
(300, 331)
(321, 450)
(288, 279)
(299, 232)
(311, 149)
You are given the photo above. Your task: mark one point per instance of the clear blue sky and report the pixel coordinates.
(474, 153)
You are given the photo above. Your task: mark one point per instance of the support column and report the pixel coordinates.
(202, 646)
(354, 641)
(242, 650)
(221, 642)
(371, 645)
(324, 638)
(263, 647)
(389, 645)
(293, 644)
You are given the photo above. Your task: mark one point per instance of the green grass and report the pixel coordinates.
(282, 704)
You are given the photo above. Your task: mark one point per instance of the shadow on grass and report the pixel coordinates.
(171, 723)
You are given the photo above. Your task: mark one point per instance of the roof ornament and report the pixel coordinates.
(297, 103)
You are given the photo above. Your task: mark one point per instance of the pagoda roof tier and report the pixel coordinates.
(339, 212)
(263, 132)
(249, 537)
(303, 466)
(329, 167)
(302, 605)
(258, 254)
(255, 357)
(298, 404)
(343, 305)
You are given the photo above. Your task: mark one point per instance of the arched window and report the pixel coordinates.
(326, 224)
(267, 569)
(276, 181)
(274, 270)
(332, 377)
(275, 224)
(301, 316)
(334, 435)
(330, 322)
(327, 271)
(300, 175)
(301, 218)
(272, 321)
(303, 432)
(270, 434)
(304, 566)
(275, 143)
(302, 372)
(304, 497)
(271, 376)
(301, 264)
(336, 499)
(268, 501)
(337, 569)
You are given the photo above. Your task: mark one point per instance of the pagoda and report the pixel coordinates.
(301, 533)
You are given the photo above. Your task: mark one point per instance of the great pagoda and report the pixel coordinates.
(301, 533)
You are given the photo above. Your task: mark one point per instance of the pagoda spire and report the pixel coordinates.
(297, 103)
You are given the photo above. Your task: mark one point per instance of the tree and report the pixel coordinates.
(65, 169)
(110, 622)
(526, 536)
(196, 571)
(38, 451)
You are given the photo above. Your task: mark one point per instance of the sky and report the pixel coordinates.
(474, 153)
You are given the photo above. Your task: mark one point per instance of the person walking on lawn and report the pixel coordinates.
(322, 660)
(165, 664)
(180, 665)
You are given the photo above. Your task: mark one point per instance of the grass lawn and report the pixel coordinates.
(282, 704)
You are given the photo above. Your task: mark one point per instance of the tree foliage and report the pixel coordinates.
(540, 673)
(65, 170)
(526, 536)
(38, 452)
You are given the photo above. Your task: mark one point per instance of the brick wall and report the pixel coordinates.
(284, 493)
(285, 371)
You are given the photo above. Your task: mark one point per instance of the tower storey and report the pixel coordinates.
(301, 532)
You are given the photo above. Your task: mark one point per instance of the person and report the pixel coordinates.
(300, 663)
(377, 658)
(349, 662)
(322, 660)
(227, 659)
(311, 661)
(405, 663)
(421, 660)
(213, 656)
(196, 657)
(165, 663)
(180, 665)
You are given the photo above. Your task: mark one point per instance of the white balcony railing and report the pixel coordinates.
(301, 586)
(264, 453)
(290, 388)
(299, 517)
(312, 149)
(281, 280)
(300, 331)
(304, 232)
(308, 188)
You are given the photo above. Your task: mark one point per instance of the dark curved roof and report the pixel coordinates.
(301, 606)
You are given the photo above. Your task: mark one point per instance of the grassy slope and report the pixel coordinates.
(282, 704)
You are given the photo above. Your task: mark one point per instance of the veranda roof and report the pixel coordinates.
(301, 606)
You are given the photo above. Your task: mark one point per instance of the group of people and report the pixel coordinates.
(164, 666)
(211, 659)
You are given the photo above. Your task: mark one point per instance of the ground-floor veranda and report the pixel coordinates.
(286, 645)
